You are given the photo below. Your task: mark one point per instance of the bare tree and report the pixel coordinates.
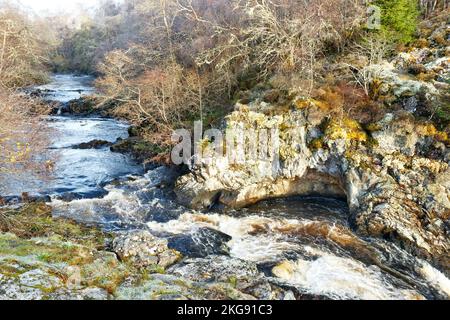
(22, 52)
(373, 49)
(23, 136)
(428, 7)
(284, 35)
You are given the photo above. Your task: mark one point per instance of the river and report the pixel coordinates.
(301, 243)
(78, 173)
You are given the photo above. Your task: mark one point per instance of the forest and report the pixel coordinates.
(164, 63)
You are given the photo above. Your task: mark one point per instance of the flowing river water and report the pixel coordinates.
(304, 244)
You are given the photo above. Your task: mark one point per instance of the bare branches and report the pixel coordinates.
(191, 56)
(21, 52)
(373, 48)
(428, 7)
(281, 35)
(23, 135)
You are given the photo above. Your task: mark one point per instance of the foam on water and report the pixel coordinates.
(436, 278)
(117, 205)
(260, 249)
(309, 254)
(340, 278)
(256, 239)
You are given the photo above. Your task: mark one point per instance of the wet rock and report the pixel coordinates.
(94, 144)
(171, 287)
(143, 250)
(41, 93)
(243, 275)
(81, 106)
(136, 147)
(200, 243)
(163, 176)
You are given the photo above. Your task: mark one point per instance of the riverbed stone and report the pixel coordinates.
(200, 243)
(142, 249)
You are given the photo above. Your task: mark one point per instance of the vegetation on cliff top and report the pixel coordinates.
(163, 64)
(168, 63)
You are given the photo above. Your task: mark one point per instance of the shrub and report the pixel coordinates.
(23, 137)
(161, 99)
(349, 100)
(282, 36)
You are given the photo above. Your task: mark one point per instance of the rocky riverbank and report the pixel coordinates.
(44, 258)
(393, 170)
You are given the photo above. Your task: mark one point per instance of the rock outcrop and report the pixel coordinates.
(394, 172)
(395, 181)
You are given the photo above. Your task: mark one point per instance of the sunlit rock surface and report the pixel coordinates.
(393, 172)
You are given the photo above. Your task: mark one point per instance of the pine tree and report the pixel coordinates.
(399, 18)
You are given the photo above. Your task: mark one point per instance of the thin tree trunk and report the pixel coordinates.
(2, 55)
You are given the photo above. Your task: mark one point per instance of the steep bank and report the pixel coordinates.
(394, 171)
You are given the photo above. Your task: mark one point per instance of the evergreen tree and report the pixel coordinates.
(399, 18)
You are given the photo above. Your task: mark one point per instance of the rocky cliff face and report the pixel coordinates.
(395, 178)
(394, 172)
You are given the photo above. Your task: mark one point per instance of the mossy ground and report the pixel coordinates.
(32, 239)
(46, 258)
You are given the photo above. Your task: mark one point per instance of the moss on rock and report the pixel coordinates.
(346, 129)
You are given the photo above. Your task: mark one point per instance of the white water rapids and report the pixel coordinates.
(314, 255)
